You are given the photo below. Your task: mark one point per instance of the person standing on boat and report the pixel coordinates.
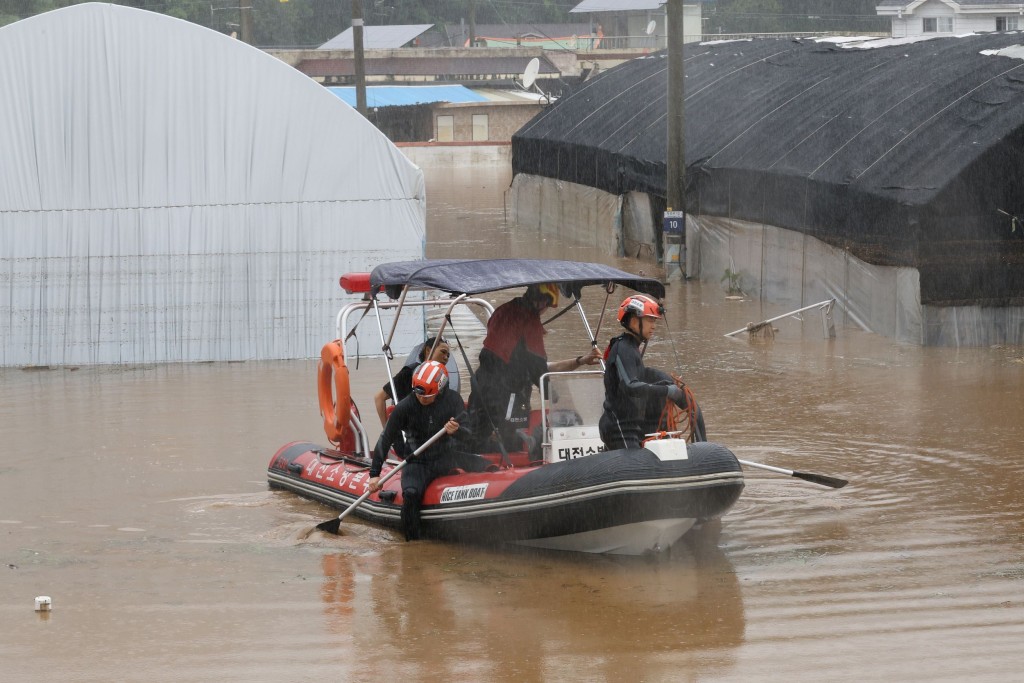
(634, 395)
(512, 362)
(420, 415)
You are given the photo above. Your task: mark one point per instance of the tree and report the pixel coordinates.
(773, 16)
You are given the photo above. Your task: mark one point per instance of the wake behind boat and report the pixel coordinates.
(576, 496)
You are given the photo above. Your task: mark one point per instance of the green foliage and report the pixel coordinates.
(308, 23)
(792, 16)
(733, 282)
(13, 10)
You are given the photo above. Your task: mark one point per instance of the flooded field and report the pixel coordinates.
(136, 498)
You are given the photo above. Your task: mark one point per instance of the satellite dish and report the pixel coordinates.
(651, 25)
(530, 74)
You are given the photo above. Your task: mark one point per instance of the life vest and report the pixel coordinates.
(335, 399)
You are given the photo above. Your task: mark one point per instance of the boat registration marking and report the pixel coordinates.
(458, 494)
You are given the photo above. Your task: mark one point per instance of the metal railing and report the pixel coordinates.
(658, 42)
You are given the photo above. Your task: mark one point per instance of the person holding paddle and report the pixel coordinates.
(402, 383)
(634, 395)
(429, 408)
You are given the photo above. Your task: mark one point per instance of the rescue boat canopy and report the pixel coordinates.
(476, 276)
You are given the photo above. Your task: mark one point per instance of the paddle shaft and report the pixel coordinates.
(333, 524)
(368, 492)
(831, 482)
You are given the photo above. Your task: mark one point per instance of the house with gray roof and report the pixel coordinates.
(379, 37)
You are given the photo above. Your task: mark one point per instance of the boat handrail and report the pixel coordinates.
(360, 432)
(341, 324)
(368, 304)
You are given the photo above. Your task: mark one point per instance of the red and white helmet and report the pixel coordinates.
(640, 305)
(429, 379)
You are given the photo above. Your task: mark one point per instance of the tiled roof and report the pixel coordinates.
(375, 37)
(617, 5)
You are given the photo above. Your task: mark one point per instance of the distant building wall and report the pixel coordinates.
(625, 29)
(481, 122)
(457, 154)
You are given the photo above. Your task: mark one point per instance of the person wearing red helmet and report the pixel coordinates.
(420, 415)
(402, 382)
(512, 362)
(630, 389)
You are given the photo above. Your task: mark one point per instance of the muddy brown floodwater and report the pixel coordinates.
(137, 499)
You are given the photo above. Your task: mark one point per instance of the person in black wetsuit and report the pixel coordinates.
(403, 383)
(511, 364)
(420, 415)
(634, 395)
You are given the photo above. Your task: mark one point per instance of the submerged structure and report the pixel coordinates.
(168, 193)
(883, 173)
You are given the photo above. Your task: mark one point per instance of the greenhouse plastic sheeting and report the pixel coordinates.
(792, 270)
(171, 194)
(567, 212)
(905, 155)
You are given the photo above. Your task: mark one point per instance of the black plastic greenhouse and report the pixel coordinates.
(908, 154)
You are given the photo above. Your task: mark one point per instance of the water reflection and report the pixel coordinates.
(447, 612)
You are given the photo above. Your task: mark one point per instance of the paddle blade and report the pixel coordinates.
(331, 526)
(832, 482)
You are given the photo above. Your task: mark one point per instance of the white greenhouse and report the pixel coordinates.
(168, 193)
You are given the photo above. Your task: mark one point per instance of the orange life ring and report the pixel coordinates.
(333, 391)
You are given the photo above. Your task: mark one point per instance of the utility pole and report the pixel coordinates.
(674, 225)
(472, 23)
(357, 46)
(245, 20)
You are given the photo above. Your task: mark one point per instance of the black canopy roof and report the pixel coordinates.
(904, 154)
(476, 276)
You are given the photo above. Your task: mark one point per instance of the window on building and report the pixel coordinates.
(937, 24)
(1007, 23)
(480, 127)
(445, 128)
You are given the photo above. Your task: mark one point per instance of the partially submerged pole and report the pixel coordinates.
(674, 225)
(828, 327)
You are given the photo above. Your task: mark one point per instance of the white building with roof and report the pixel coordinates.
(949, 17)
(168, 193)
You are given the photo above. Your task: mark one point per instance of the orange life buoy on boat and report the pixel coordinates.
(333, 391)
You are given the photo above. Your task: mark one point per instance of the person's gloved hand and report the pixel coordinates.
(676, 395)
